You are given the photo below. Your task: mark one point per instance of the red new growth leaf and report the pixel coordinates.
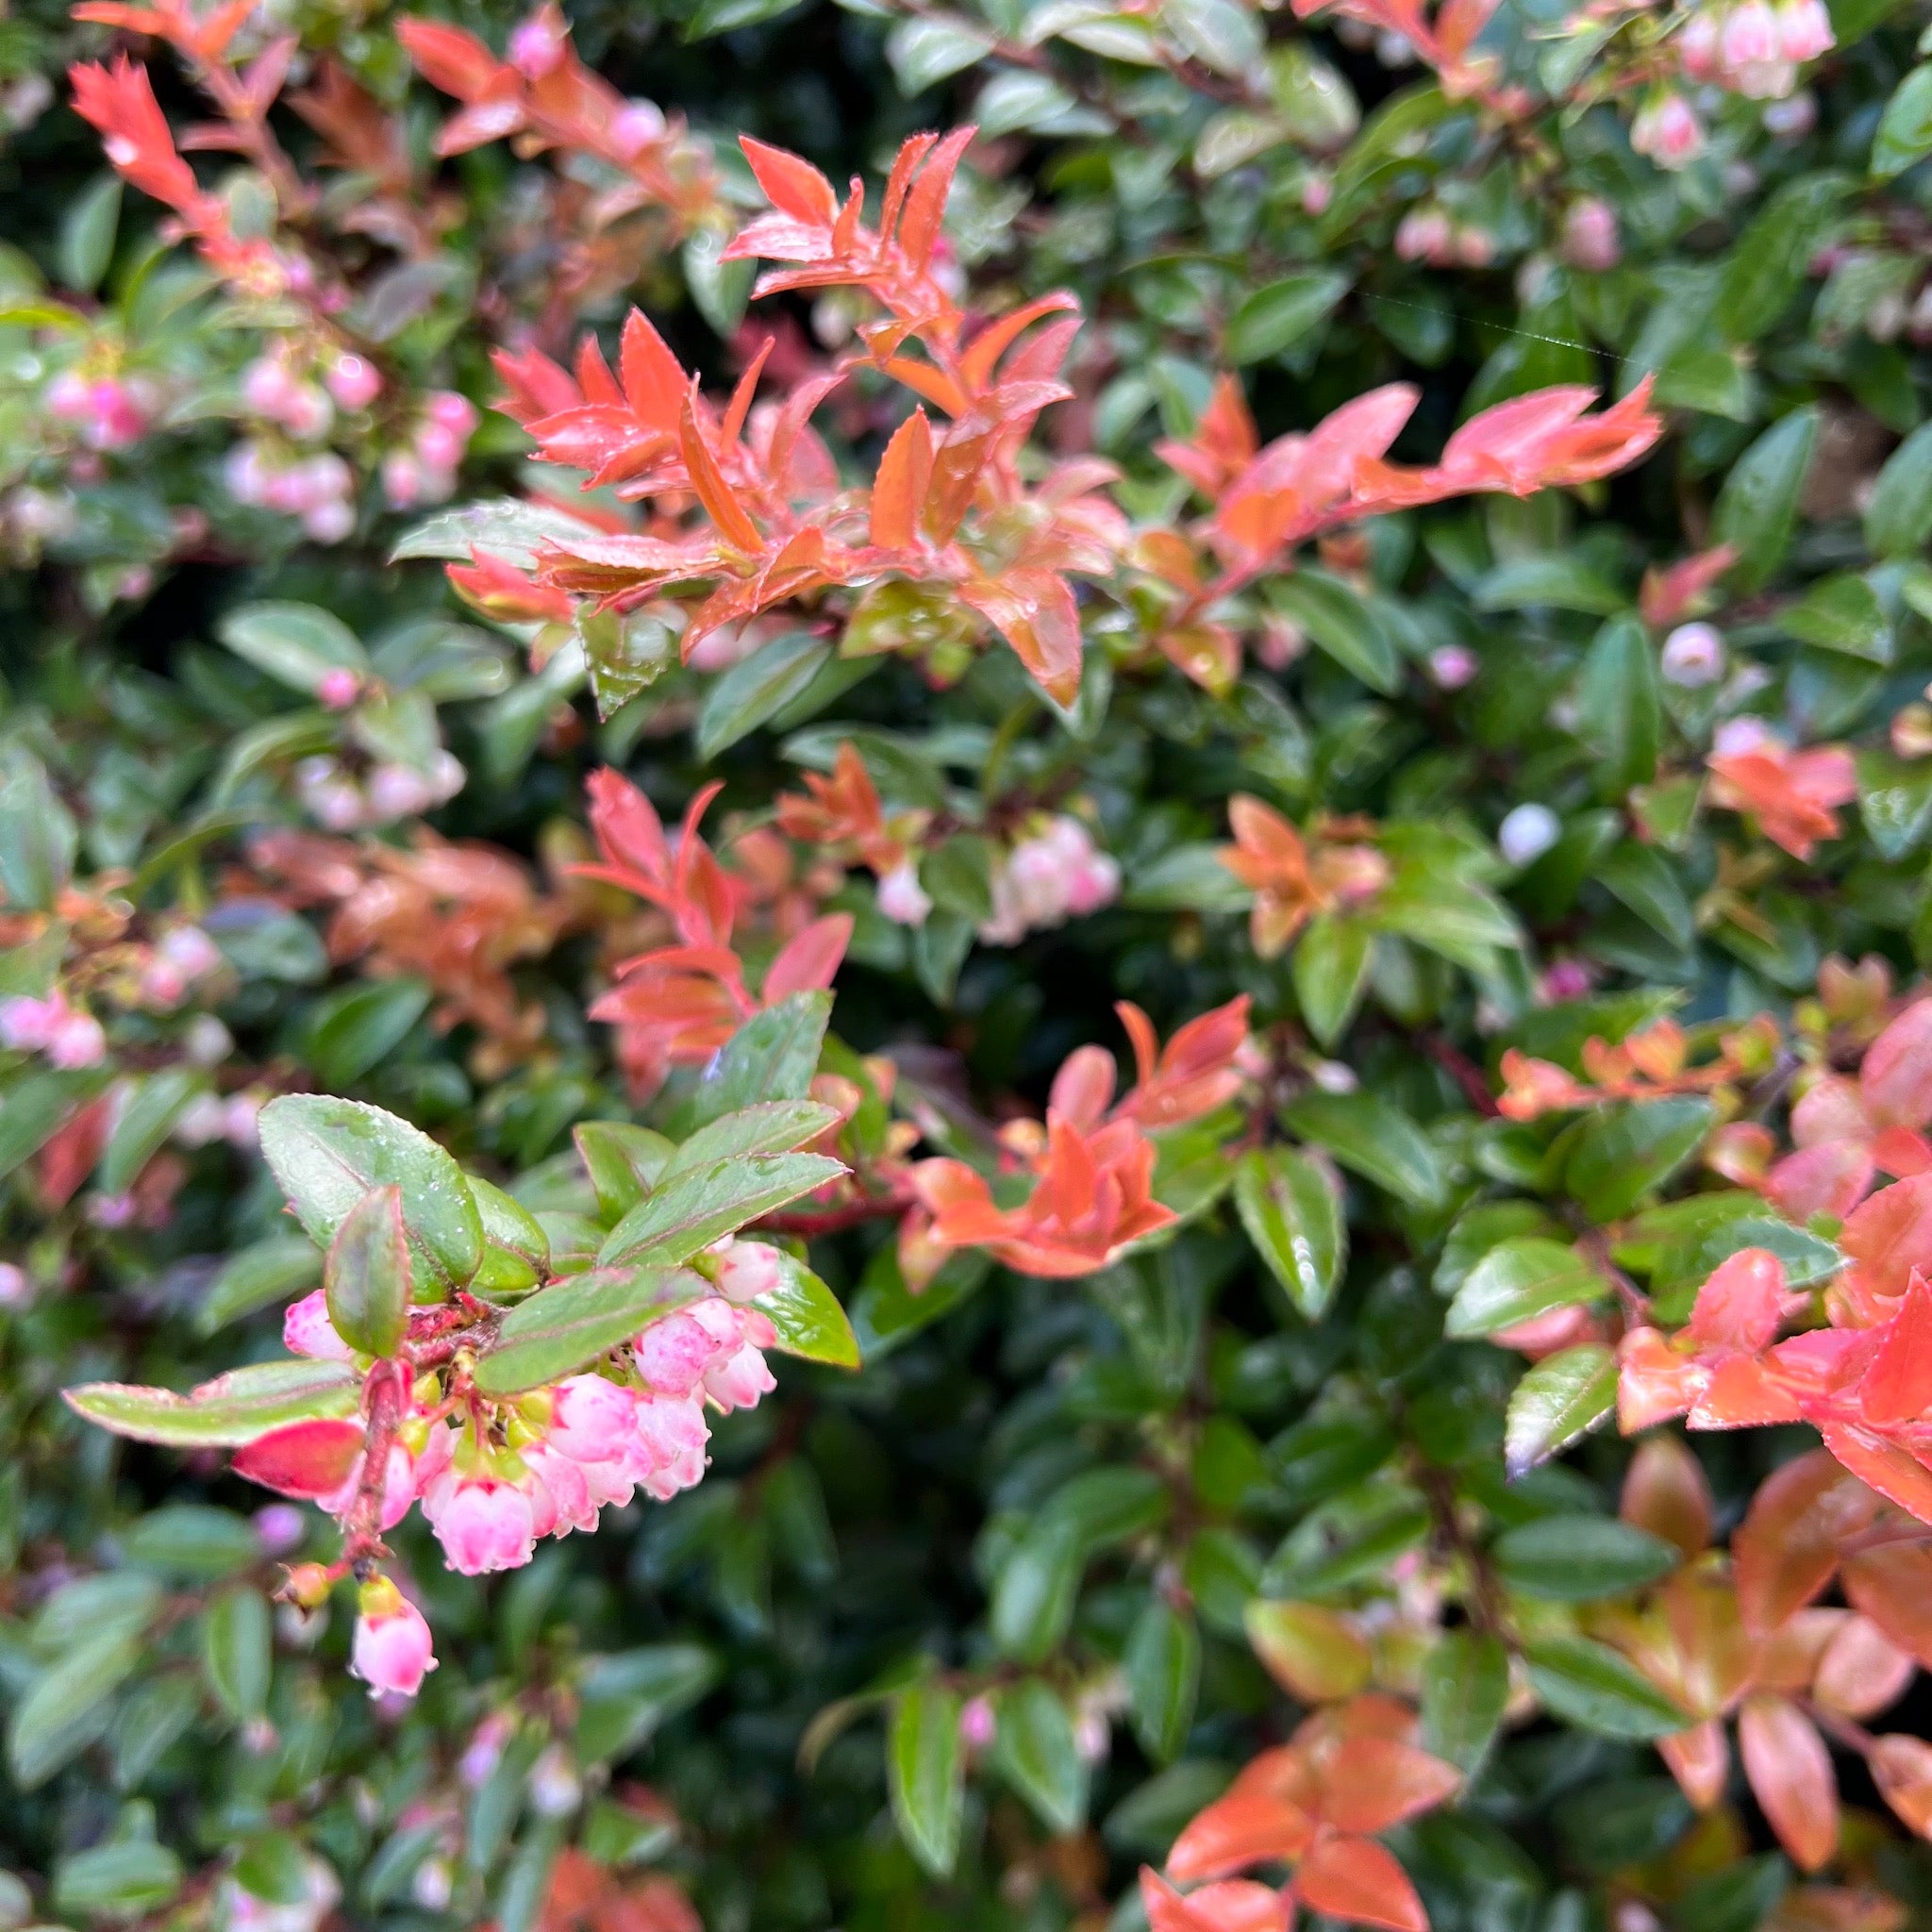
(1792, 1777)
(1090, 1202)
(1786, 1549)
(1232, 1905)
(1356, 1879)
(308, 1460)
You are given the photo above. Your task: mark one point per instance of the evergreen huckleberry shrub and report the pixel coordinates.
(1041, 1043)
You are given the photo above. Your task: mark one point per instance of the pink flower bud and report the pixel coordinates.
(739, 1380)
(392, 1650)
(162, 984)
(353, 380)
(402, 479)
(398, 1488)
(1804, 30)
(437, 448)
(1453, 666)
(77, 1040)
(450, 410)
(637, 125)
(1749, 35)
(267, 387)
(330, 522)
(746, 1270)
(560, 1499)
(900, 897)
(70, 396)
(1317, 191)
(484, 1751)
(308, 1330)
(27, 1025)
(1527, 833)
(396, 792)
(1589, 235)
(337, 690)
(190, 951)
(673, 1353)
(1694, 655)
(1424, 235)
(536, 47)
(672, 1434)
(1697, 46)
(592, 1420)
(16, 1286)
(978, 1724)
(1568, 979)
(485, 1524)
(1744, 734)
(1667, 129)
(279, 1527)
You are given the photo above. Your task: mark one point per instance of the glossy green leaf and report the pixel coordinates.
(367, 1275)
(693, 1209)
(571, 1323)
(1590, 1685)
(226, 1413)
(1560, 1400)
(927, 1774)
(1576, 1558)
(1289, 1209)
(1519, 1279)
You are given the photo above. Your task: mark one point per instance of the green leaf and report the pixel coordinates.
(274, 1270)
(1841, 613)
(623, 1162)
(1335, 616)
(88, 228)
(327, 1154)
(35, 1106)
(237, 1652)
(727, 16)
(1573, 1559)
(1549, 583)
(1767, 267)
(367, 1277)
(1619, 703)
(1162, 1665)
(38, 837)
(352, 1030)
(1289, 1209)
(693, 1210)
(1033, 1599)
(1330, 968)
(193, 1541)
(924, 51)
(121, 1879)
(516, 1251)
(1277, 315)
(1187, 879)
(299, 643)
(231, 1410)
(926, 1774)
(1465, 1687)
(771, 1057)
(1894, 802)
(1373, 1139)
(1648, 883)
(507, 526)
(1035, 1752)
(153, 1105)
(621, 1699)
(770, 1126)
(1623, 1155)
(69, 1704)
(1561, 1399)
(1589, 1685)
(1905, 130)
(756, 689)
(809, 1320)
(1519, 1279)
(1758, 508)
(568, 1325)
(1898, 518)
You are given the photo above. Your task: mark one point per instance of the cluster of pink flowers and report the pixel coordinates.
(334, 798)
(319, 487)
(426, 470)
(1590, 238)
(1434, 235)
(495, 1482)
(68, 1036)
(1051, 875)
(1753, 48)
(111, 411)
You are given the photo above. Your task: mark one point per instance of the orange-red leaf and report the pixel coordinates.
(1893, 1587)
(898, 493)
(1244, 1828)
(794, 186)
(1370, 1784)
(1786, 1549)
(1902, 1769)
(1792, 1777)
(1897, 1388)
(1356, 1879)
